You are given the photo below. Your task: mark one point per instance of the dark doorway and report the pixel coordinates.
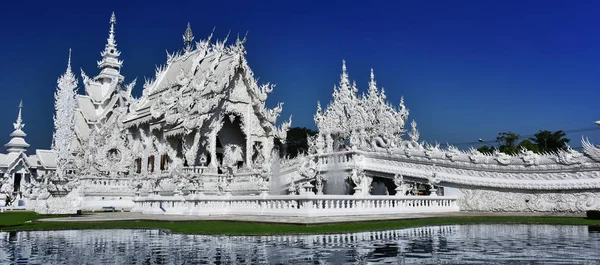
(17, 185)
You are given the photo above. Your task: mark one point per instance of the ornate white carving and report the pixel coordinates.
(508, 201)
(64, 119)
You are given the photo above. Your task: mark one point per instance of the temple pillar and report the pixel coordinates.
(145, 154)
(213, 150)
(157, 159)
(249, 150)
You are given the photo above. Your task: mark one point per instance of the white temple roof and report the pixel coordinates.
(47, 158)
(18, 142)
(167, 78)
(87, 108)
(33, 160)
(13, 158)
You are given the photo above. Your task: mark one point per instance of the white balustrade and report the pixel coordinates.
(195, 169)
(294, 205)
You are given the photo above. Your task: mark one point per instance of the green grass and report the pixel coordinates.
(18, 221)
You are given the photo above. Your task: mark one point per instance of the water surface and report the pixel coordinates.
(459, 244)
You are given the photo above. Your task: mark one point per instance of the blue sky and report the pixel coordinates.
(467, 69)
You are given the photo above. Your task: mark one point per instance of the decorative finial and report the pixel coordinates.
(373, 85)
(113, 18)
(344, 66)
(245, 37)
(188, 38)
(113, 21)
(19, 124)
(227, 37)
(211, 34)
(110, 55)
(69, 62)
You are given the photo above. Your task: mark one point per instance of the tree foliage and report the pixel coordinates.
(543, 141)
(507, 142)
(548, 141)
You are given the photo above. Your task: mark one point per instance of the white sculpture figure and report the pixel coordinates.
(399, 182)
(357, 180)
(258, 159)
(433, 181)
(232, 155)
(319, 184)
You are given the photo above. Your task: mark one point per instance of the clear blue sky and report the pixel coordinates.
(467, 69)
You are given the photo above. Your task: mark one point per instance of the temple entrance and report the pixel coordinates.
(231, 143)
(17, 182)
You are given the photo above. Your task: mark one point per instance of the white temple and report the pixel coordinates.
(200, 140)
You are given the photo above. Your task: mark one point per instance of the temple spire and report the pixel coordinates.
(345, 86)
(372, 84)
(110, 62)
(69, 62)
(188, 38)
(17, 142)
(19, 124)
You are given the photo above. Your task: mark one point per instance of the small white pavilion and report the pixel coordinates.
(18, 168)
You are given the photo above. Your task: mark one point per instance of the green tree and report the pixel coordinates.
(548, 141)
(507, 142)
(486, 149)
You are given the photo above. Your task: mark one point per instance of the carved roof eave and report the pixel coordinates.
(138, 120)
(175, 132)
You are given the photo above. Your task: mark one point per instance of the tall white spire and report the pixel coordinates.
(110, 62)
(17, 142)
(65, 104)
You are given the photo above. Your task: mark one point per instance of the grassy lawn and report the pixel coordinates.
(19, 221)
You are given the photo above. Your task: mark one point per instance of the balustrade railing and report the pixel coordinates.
(195, 169)
(342, 157)
(294, 205)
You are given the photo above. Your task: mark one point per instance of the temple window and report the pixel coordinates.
(164, 162)
(151, 164)
(138, 164)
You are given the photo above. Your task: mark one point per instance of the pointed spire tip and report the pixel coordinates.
(69, 61)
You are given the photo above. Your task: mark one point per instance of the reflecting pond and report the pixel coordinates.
(459, 244)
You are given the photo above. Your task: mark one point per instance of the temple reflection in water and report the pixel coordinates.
(428, 245)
